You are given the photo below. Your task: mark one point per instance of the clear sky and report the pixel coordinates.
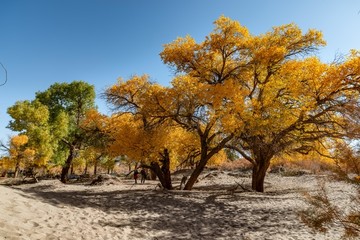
(97, 41)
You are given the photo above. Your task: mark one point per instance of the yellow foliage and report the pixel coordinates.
(357, 179)
(19, 140)
(19, 154)
(266, 94)
(130, 138)
(6, 163)
(218, 159)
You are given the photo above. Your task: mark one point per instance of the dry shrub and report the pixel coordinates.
(239, 164)
(347, 159)
(322, 214)
(54, 170)
(297, 162)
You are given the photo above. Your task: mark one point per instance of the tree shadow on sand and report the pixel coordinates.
(197, 214)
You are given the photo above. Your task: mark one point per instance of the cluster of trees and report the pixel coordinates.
(257, 95)
(51, 125)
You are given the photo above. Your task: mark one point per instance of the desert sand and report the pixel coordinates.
(119, 209)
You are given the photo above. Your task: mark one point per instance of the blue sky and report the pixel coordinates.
(97, 41)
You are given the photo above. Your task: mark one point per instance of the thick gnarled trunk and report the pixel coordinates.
(166, 169)
(258, 178)
(258, 174)
(67, 165)
(163, 172)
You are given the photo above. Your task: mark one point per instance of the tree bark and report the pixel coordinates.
(86, 167)
(258, 175)
(152, 175)
(95, 166)
(17, 169)
(166, 169)
(204, 158)
(163, 172)
(66, 167)
(195, 174)
(157, 170)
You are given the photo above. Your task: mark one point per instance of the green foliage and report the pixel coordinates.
(31, 119)
(28, 115)
(73, 99)
(231, 155)
(67, 104)
(53, 118)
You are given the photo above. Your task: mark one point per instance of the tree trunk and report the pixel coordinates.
(95, 166)
(66, 167)
(205, 156)
(152, 175)
(199, 167)
(166, 169)
(195, 174)
(157, 170)
(86, 167)
(258, 175)
(163, 173)
(17, 169)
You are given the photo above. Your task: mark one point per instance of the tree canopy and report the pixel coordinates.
(31, 119)
(52, 122)
(274, 94)
(259, 95)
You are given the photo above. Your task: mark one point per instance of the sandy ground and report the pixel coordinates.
(118, 209)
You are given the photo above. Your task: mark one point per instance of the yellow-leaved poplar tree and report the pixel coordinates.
(259, 95)
(271, 91)
(20, 156)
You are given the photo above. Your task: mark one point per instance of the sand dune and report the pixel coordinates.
(122, 210)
